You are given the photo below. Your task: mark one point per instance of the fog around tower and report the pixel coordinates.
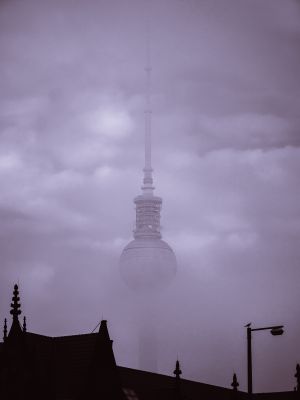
(225, 100)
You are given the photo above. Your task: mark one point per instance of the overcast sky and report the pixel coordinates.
(226, 157)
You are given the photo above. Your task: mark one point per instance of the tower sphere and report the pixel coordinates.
(147, 264)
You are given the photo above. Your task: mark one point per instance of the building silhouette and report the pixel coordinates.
(77, 367)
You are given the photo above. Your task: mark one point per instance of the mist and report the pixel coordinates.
(226, 157)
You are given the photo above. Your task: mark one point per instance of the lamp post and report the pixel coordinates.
(275, 331)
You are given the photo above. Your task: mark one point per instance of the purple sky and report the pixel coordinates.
(226, 150)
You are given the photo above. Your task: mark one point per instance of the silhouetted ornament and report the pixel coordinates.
(5, 330)
(297, 376)
(24, 324)
(234, 383)
(15, 329)
(177, 371)
(15, 305)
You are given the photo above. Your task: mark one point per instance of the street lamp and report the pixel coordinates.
(274, 330)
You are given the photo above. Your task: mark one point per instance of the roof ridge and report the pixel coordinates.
(79, 334)
(171, 377)
(63, 336)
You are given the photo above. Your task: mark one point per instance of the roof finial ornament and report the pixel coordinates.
(235, 383)
(177, 371)
(15, 305)
(24, 325)
(5, 330)
(297, 376)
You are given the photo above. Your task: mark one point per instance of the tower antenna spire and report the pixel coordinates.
(148, 180)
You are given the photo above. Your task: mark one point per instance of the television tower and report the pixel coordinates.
(147, 263)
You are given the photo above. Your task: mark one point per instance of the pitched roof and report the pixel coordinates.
(149, 386)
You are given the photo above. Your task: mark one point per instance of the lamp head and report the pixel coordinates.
(277, 331)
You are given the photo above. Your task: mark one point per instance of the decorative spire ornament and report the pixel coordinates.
(5, 330)
(15, 305)
(15, 311)
(235, 383)
(177, 371)
(297, 376)
(24, 325)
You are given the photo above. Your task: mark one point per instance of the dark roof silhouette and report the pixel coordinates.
(34, 366)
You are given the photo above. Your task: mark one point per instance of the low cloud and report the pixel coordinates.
(225, 99)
